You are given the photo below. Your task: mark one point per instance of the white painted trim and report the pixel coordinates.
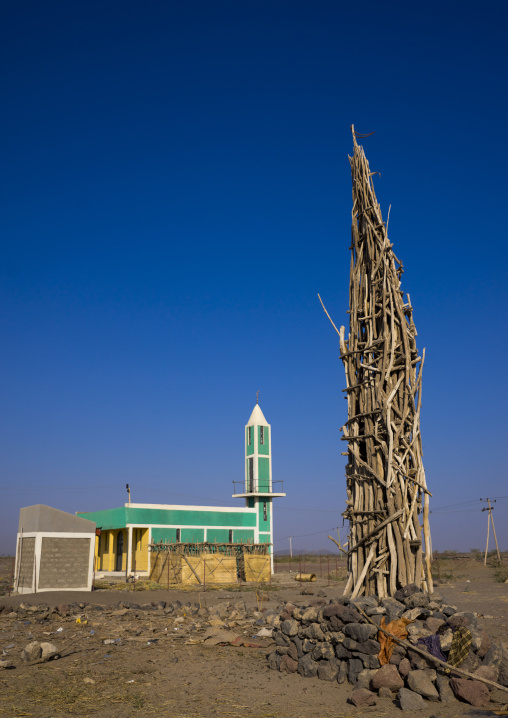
(37, 561)
(271, 534)
(193, 526)
(256, 494)
(56, 534)
(171, 507)
(128, 563)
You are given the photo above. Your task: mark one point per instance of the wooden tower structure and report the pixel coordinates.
(387, 494)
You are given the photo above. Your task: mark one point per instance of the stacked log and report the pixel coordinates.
(386, 487)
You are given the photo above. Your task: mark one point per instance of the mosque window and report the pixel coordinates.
(249, 435)
(230, 535)
(178, 535)
(250, 476)
(261, 434)
(265, 512)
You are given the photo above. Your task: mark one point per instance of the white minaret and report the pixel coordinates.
(258, 488)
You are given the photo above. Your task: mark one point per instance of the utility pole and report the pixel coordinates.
(490, 518)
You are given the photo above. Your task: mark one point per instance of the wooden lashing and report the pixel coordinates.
(220, 569)
(386, 488)
(257, 568)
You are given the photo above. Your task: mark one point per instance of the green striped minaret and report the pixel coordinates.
(258, 490)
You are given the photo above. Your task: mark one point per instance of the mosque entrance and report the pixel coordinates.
(119, 551)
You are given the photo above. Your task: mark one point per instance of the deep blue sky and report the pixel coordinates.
(176, 190)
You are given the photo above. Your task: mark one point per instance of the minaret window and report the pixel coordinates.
(249, 435)
(261, 434)
(250, 476)
(265, 512)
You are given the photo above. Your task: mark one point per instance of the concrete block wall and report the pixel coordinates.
(26, 559)
(64, 562)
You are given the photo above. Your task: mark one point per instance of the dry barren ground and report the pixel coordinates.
(161, 667)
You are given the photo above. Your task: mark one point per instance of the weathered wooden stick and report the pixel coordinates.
(378, 528)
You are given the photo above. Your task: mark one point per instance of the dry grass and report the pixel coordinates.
(141, 585)
(147, 585)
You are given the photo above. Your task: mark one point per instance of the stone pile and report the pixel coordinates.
(335, 642)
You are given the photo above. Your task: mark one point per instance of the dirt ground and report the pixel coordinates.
(161, 667)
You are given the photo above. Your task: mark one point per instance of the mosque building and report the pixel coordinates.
(127, 532)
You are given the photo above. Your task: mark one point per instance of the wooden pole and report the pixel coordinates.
(487, 545)
(494, 532)
(11, 582)
(490, 518)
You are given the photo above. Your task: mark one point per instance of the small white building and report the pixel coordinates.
(54, 551)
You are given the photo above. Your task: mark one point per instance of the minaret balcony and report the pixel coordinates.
(260, 489)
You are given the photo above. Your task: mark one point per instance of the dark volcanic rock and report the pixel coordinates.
(360, 632)
(369, 646)
(288, 664)
(307, 667)
(362, 697)
(443, 686)
(328, 670)
(289, 627)
(292, 652)
(354, 668)
(398, 653)
(494, 655)
(280, 639)
(342, 674)
(349, 644)
(503, 671)
(335, 623)
(274, 661)
(346, 614)
(462, 619)
(410, 701)
(388, 676)
(323, 651)
(308, 646)
(342, 652)
(448, 610)
(298, 645)
(485, 644)
(419, 682)
(314, 632)
(404, 667)
(417, 600)
(394, 608)
(408, 590)
(473, 692)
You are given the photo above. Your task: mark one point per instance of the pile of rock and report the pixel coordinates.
(335, 642)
